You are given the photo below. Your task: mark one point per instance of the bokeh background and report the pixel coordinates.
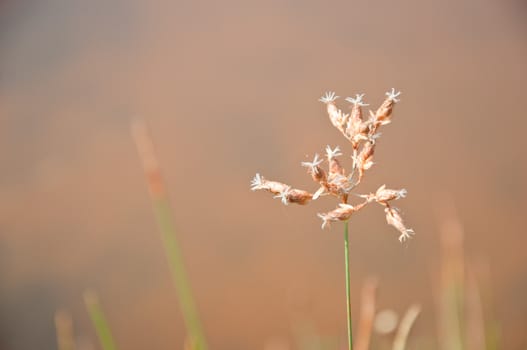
(229, 89)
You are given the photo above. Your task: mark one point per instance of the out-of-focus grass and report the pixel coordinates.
(64, 328)
(451, 303)
(166, 225)
(99, 320)
(307, 338)
(463, 322)
(401, 338)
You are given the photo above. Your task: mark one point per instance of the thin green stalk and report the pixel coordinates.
(163, 213)
(179, 276)
(99, 321)
(348, 293)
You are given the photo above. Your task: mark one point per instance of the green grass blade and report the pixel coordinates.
(179, 276)
(99, 320)
(164, 217)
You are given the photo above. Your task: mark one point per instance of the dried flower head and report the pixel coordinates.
(341, 213)
(260, 183)
(393, 218)
(314, 168)
(334, 164)
(363, 135)
(292, 195)
(356, 129)
(364, 161)
(383, 195)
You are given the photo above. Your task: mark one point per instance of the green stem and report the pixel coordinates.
(99, 320)
(163, 213)
(348, 293)
(179, 275)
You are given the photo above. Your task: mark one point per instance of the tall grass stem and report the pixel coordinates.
(99, 320)
(165, 221)
(179, 276)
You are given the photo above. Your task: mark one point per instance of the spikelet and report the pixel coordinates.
(260, 183)
(384, 195)
(364, 160)
(334, 164)
(317, 173)
(335, 114)
(356, 128)
(342, 213)
(293, 195)
(393, 218)
(384, 113)
(356, 111)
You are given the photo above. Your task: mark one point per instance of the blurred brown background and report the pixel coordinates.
(229, 89)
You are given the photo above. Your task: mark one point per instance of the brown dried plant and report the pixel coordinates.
(363, 134)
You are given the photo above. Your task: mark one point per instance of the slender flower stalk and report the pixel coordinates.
(363, 134)
(348, 289)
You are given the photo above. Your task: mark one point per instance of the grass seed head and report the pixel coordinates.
(363, 135)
